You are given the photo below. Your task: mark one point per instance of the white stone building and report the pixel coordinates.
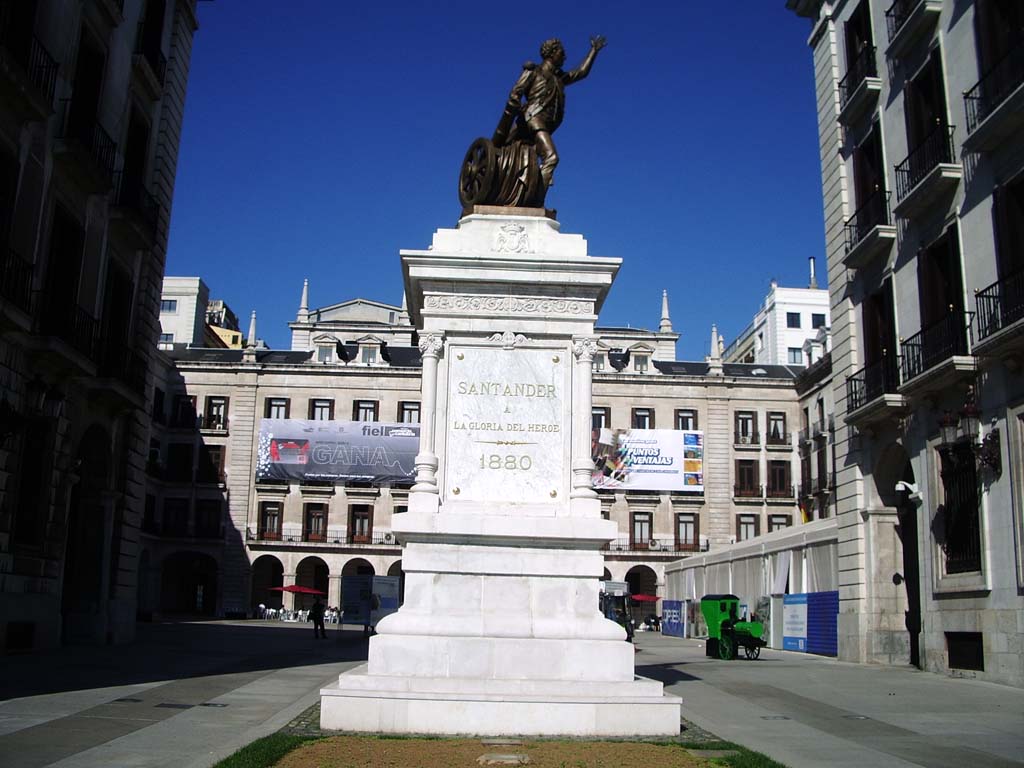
(210, 524)
(91, 102)
(787, 320)
(919, 112)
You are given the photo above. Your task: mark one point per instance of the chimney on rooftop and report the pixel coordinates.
(814, 278)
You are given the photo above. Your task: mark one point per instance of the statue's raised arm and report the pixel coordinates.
(517, 165)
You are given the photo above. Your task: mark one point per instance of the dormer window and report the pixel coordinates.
(325, 353)
(640, 363)
(368, 355)
(599, 362)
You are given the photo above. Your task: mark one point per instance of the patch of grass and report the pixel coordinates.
(264, 752)
(746, 758)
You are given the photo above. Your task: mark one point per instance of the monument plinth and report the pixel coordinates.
(500, 632)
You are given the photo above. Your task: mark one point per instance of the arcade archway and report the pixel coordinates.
(267, 572)
(188, 584)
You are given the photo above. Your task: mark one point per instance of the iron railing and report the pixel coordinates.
(16, 279)
(117, 361)
(385, 539)
(780, 492)
(936, 148)
(93, 137)
(960, 524)
(213, 422)
(934, 344)
(1000, 305)
(748, 491)
(130, 193)
(873, 212)
(897, 14)
(873, 381)
(150, 51)
(314, 537)
(786, 438)
(999, 82)
(862, 67)
(28, 52)
(67, 321)
(643, 546)
(747, 438)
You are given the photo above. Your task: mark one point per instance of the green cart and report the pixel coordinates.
(726, 633)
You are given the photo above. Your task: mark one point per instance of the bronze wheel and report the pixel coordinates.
(476, 177)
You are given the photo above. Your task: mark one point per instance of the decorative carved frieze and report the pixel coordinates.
(508, 305)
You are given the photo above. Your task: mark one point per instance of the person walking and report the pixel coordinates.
(316, 613)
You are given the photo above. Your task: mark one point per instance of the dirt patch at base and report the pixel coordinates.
(368, 752)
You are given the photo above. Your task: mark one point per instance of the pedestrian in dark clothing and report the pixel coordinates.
(316, 613)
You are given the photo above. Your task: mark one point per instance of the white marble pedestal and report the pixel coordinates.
(500, 632)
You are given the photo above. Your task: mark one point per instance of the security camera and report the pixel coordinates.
(910, 489)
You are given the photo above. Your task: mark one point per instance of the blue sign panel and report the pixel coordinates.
(809, 623)
(673, 620)
(794, 622)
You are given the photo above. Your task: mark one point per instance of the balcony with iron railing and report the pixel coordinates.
(778, 440)
(749, 492)
(747, 439)
(653, 545)
(26, 67)
(212, 422)
(928, 172)
(908, 20)
(870, 232)
(806, 487)
(1000, 316)
(119, 362)
(938, 355)
(780, 492)
(995, 106)
(872, 393)
(859, 89)
(149, 61)
(136, 213)
(67, 321)
(16, 280)
(86, 147)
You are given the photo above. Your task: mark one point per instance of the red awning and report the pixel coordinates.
(644, 598)
(298, 589)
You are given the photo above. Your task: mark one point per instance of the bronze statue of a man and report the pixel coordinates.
(537, 102)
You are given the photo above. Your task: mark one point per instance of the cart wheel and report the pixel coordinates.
(752, 653)
(726, 649)
(478, 172)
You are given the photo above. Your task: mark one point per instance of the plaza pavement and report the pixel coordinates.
(186, 695)
(807, 711)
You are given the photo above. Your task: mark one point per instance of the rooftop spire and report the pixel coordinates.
(304, 301)
(666, 322)
(715, 358)
(250, 340)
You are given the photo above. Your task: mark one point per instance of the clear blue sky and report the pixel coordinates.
(321, 137)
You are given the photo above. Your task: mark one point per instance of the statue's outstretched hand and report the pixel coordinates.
(597, 42)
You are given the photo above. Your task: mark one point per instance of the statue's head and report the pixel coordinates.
(552, 49)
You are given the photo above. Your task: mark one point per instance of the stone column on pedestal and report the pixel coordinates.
(424, 494)
(583, 350)
(288, 598)
(334, 591)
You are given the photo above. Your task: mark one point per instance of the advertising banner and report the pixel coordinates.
(794, 622)
(648, 459)
(673, 618)
(295, 449)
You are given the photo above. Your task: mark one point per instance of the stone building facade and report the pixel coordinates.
(209, 524)
(91, 102)
(919, 107)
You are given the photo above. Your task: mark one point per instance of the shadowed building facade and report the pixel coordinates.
(91, 102)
